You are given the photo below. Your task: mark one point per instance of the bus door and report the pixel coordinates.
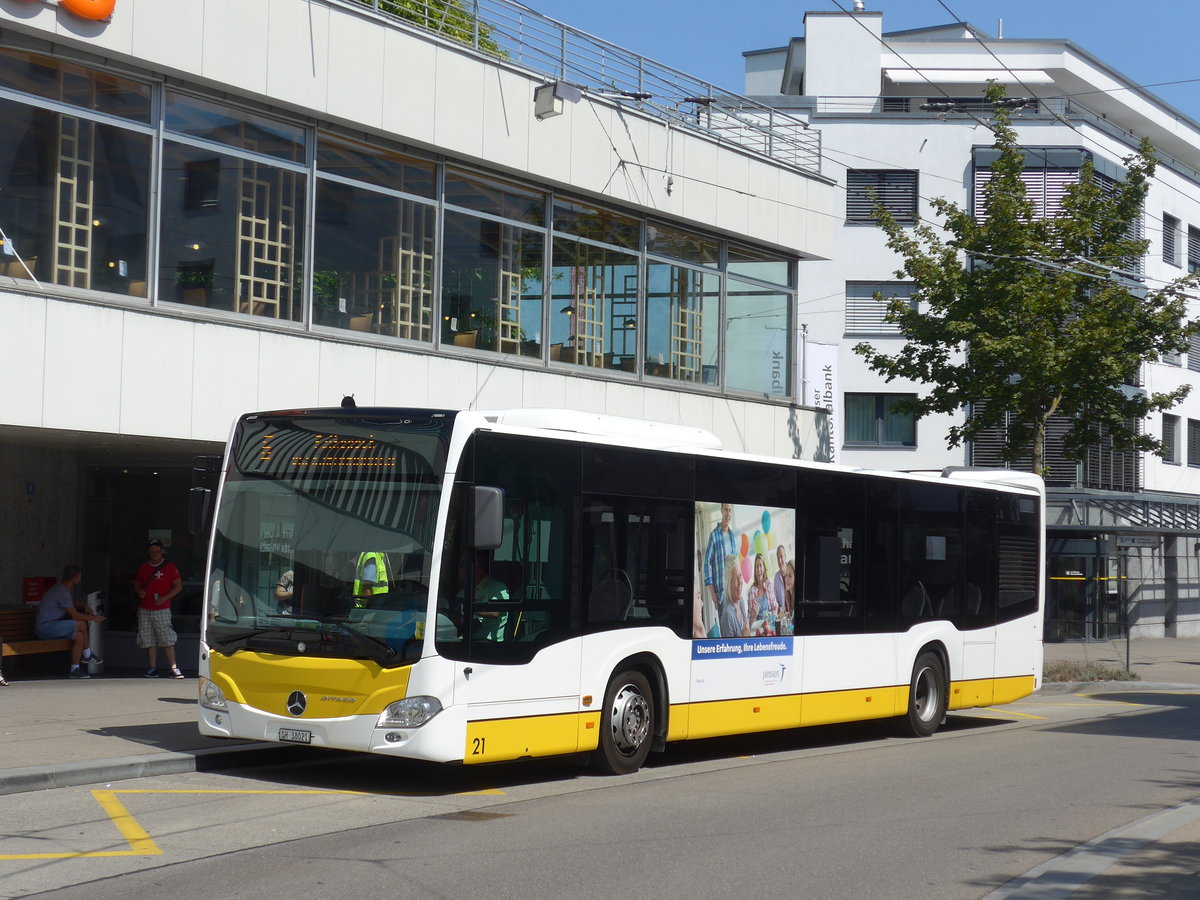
(518, 678)
(508, 600)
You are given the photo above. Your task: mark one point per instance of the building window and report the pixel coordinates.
(1194, 352)
(682, 318)
(1193, 249)
(491, 285)
(1045, 187)
(374, 251)
(894, 189)
(593, 306)
(258, 215)
(74, 200)
(865, 314)
(1170, 240)
(1170, 439)
(874, 419)
(757, 325)
(1137, 228)
(1193, 442)
(230, 232)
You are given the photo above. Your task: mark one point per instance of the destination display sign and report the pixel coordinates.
(324, 451)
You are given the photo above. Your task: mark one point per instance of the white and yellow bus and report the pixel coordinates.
(469, 586)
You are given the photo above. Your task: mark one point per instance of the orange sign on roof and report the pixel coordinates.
(97, 10)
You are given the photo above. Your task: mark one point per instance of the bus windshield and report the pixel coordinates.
(323, 541)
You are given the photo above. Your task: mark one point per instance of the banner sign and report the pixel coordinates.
(821, 387)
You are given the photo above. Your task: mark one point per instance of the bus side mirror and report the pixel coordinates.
(205, 470)
(199, 506)
(487, 518)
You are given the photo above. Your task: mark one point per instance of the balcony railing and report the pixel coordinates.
(1042, 109)
(521, 36)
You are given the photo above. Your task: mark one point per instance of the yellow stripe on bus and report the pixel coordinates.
(719, 717)
(1008, 690)
(832, 707)
(496, 740)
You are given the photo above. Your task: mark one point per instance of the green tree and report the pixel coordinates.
(450, 18)
(1027, 317)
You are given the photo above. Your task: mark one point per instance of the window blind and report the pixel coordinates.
(864, 314)
(894, 189)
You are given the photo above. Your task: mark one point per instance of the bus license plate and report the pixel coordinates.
(296, 737)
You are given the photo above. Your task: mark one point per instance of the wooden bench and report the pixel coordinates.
(20, 636)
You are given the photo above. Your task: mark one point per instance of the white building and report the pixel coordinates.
(212, 206)
(901, 114)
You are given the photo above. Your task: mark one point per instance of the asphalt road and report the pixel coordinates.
(833, 812)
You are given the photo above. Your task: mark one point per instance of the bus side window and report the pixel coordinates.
(636, 563)
(932, 578)
(822, 569)
(521, 600)
(829, 523)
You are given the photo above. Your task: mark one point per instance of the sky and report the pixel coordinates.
(1149, 41)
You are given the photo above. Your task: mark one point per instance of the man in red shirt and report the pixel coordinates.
(156, 582)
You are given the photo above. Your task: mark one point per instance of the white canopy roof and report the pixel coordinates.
(967, 76)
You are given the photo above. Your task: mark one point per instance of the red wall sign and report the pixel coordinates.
(97, 10)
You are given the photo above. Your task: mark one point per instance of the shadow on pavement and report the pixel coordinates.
(180, 736)
(1164, 715)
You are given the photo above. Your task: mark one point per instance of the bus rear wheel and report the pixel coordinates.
(927, 696)
(626, 725)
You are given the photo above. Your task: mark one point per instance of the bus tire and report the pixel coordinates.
(927, 697)
(626, 725)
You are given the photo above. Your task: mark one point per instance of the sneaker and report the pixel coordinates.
(78, 672)
(152, 673)
(3, 683)
(93, 660)
(175, 673)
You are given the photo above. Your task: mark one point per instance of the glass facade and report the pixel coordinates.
(113, 184)
(74, 200)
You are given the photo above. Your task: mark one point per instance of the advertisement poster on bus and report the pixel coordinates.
(746, 587)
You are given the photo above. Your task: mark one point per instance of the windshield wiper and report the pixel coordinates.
(373, 646)
(239, 641)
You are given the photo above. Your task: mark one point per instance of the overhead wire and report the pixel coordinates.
(829, 152)
(983, 44)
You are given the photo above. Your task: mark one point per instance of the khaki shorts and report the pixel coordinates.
(154, 628)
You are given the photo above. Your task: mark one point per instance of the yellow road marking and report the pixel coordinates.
(1067, 705)
(141, 844)
(1013, 712)
(1119, 702)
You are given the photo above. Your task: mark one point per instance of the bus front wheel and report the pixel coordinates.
(626, 725)
(927, 696)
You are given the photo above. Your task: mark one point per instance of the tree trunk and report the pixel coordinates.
(1039, 448)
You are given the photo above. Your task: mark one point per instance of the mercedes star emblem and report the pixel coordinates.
(296, 703)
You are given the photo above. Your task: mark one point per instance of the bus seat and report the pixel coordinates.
(974, 599)
(916, 602)
(611, 598)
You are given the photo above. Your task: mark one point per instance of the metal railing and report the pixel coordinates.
(517, 34)
(1043, 108)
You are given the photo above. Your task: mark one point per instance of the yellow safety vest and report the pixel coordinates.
(379, 586)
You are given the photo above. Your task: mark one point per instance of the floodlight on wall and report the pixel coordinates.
(548, 99)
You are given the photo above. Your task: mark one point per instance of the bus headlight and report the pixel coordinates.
(411, 712)
(211, 695)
